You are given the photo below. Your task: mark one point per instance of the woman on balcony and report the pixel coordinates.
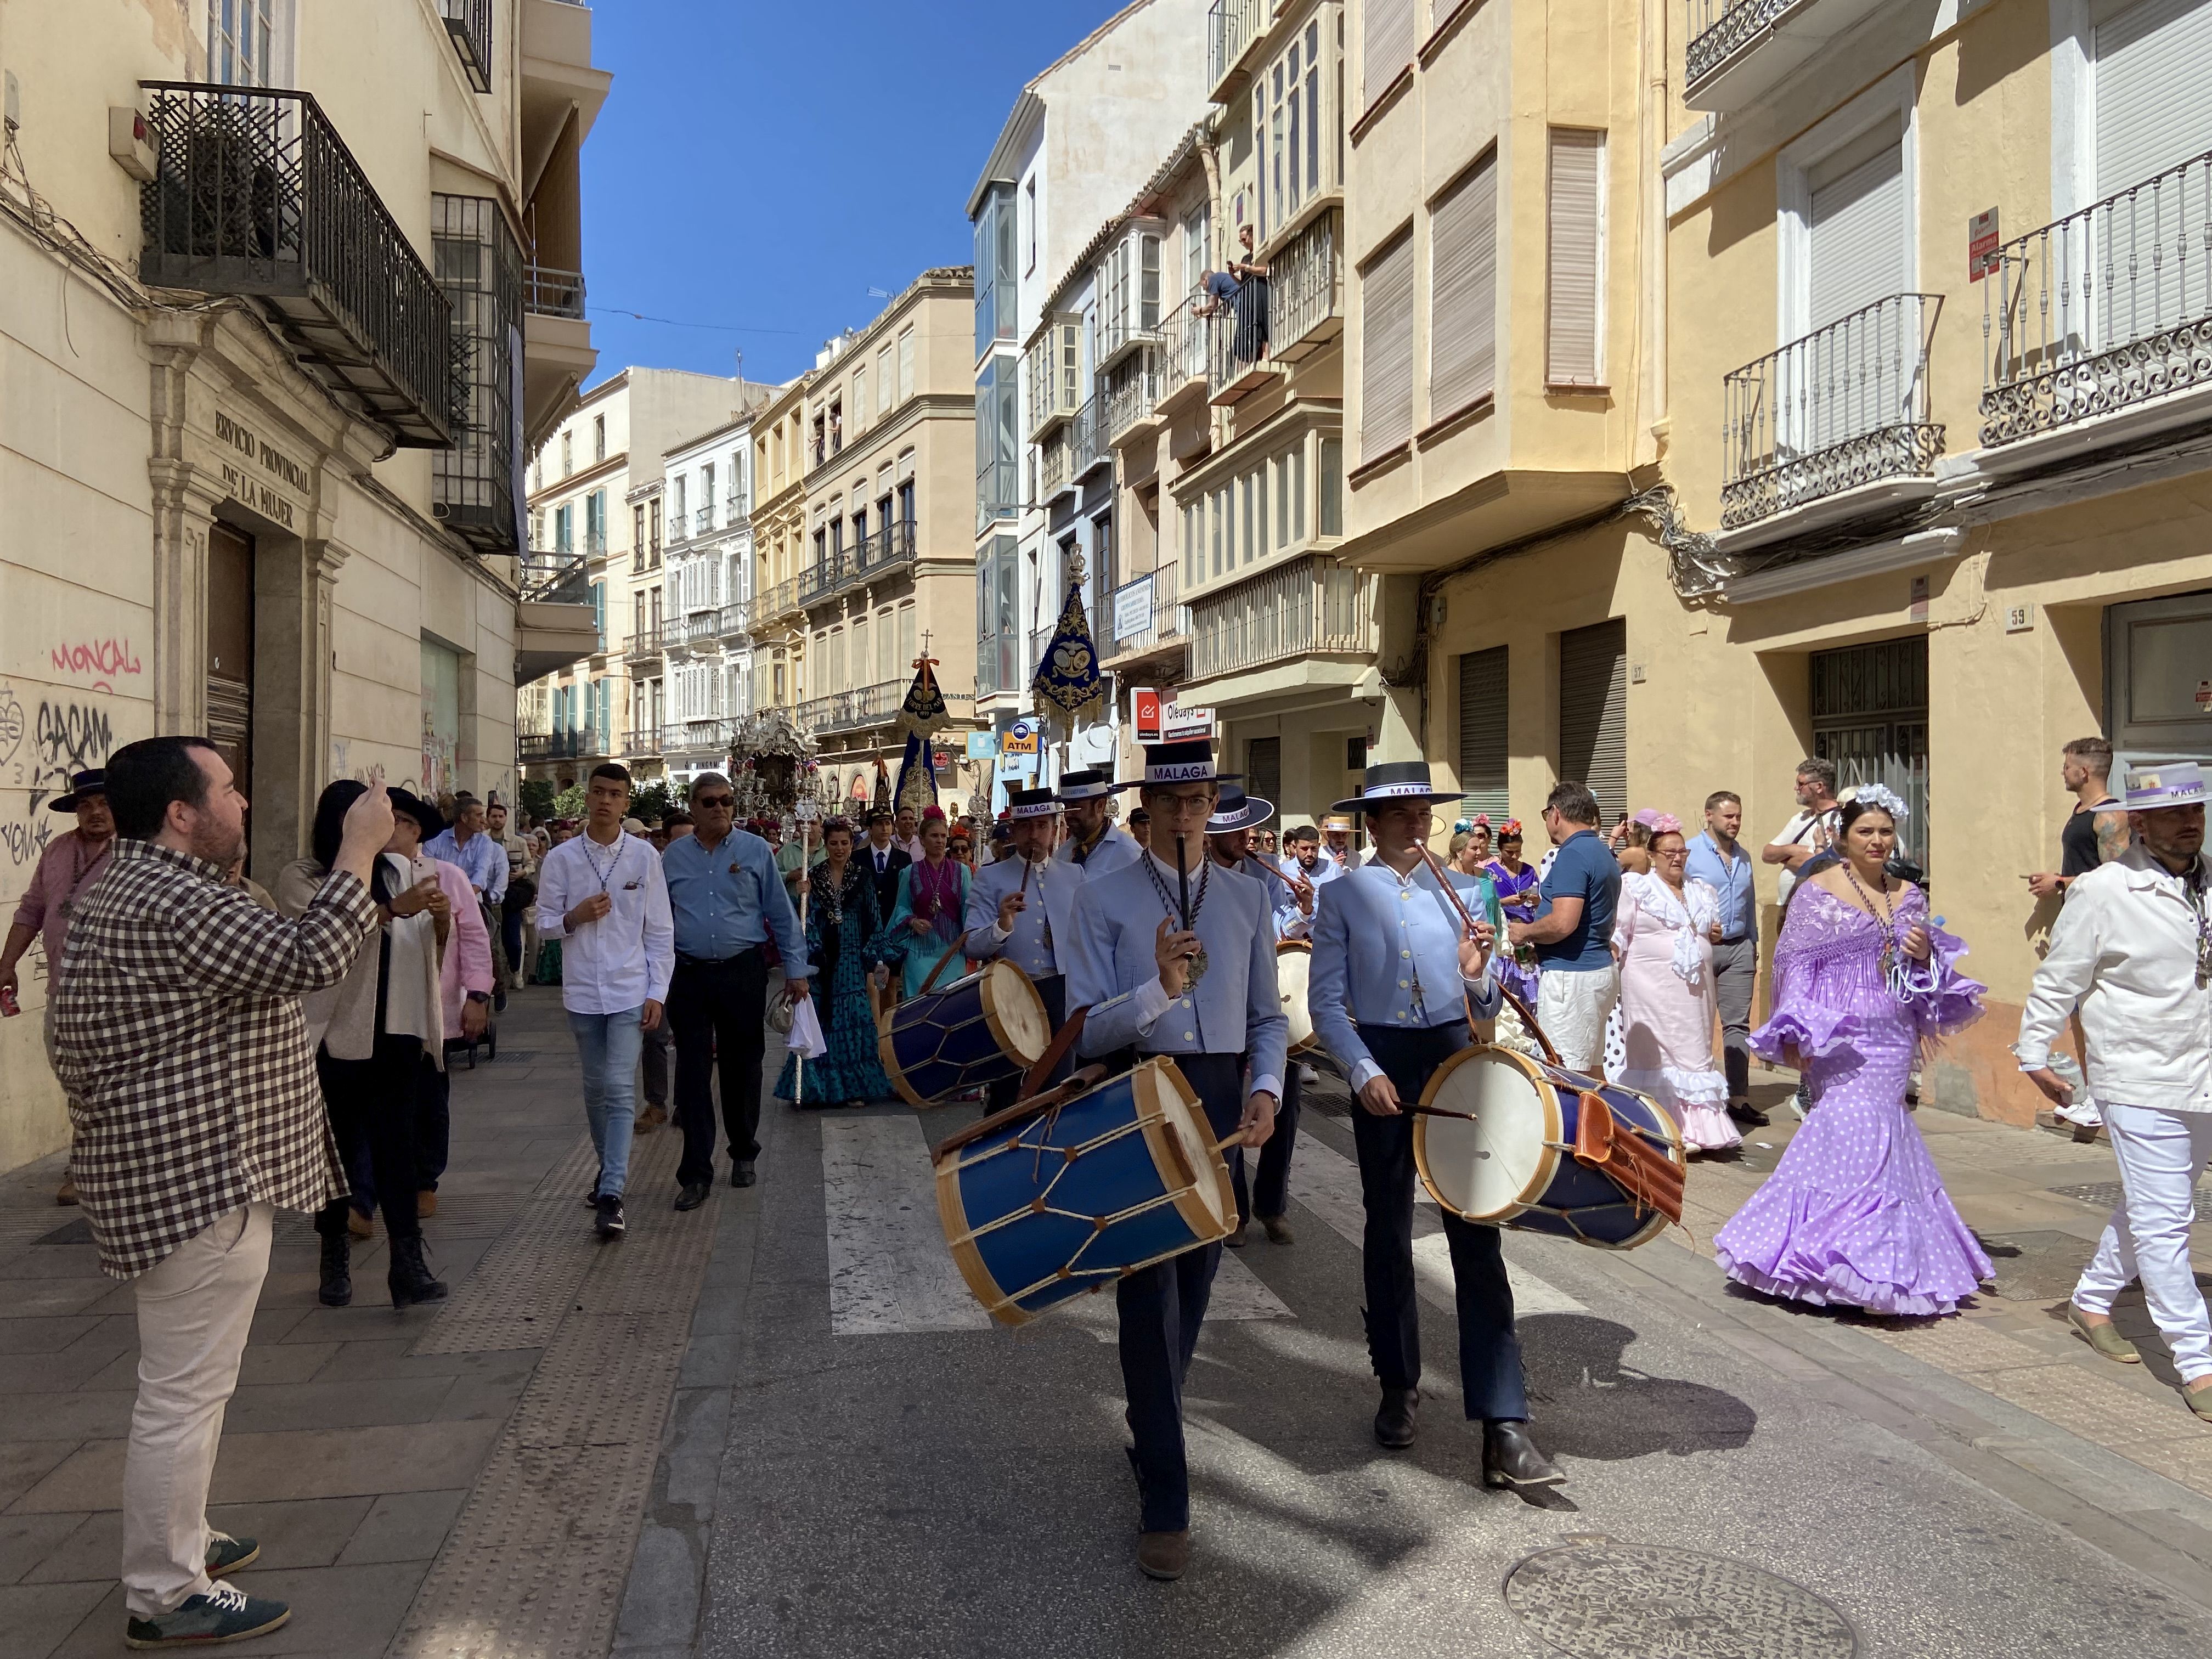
(1855, 1212)
(925, 920)
(842, 922)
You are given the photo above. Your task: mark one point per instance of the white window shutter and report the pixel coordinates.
(1387, 29)
(1577, 256)
(1386, 351)
(1857, 239)
(2152, 111)
(1463, 292)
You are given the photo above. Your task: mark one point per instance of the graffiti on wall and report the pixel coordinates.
(102, 661)
(45, 739)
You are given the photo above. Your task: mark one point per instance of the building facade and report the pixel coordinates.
(265, 418)
(706, 594)
(889, 572)
(587, 483)
(1081, 140)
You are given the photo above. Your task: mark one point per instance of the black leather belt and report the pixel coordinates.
(683, 961)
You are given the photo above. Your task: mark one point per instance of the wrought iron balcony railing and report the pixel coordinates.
(888, 548)
(1312, 607)
(1087, 447)
(580, 743)
(735, 510)
(1052, 465)
(1130, 390)
(1147, 614)
(823, 578)
(254, 194)
(552, 293)
(469, 21)
(1231, 25)
(708, 734)
(703, 521)
(1846, 405)
(556, 576)
(1247, 343)
(780, 600)
(1182, 347)
(2103, 310)
(646, 643)
(865, 706)
(1717, 29)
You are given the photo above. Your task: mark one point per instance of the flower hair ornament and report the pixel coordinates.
(1650, 817)
(1482, 821)
(1876, 794)
(1662, 823)
(1510, 830)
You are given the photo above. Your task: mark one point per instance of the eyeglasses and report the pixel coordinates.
(710, 802)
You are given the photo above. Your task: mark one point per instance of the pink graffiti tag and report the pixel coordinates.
(102, 659)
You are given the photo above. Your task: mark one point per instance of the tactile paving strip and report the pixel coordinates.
(535, 1565)
(527, 1281)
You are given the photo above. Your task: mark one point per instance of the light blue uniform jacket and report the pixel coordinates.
(1117, 849)
(1386, 952)
(1234, 1010)
(1049, 905)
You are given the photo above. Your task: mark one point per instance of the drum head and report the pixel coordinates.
(1183, 1146)
(1487, 1170)
(1293, 971)
(1015, 1012)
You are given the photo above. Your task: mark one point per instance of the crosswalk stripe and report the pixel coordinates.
(1326, 1182)
(889, 1271)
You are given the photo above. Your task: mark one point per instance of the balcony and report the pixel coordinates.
(734, 621)
(646, 644)
(1313, 607)
(821, 579)
(1052, 466)
(1087, 447)
(1305, 311)
(1050, 372)
(552, 293)
(699, 634)
(708, 736)
(864, 707)
(1740, 50)
(479, 267)
(780, 601)
(735, 511)
(1834, 426)
(1147, 616)
(1181, 355)
(640, 742)
(703, 521)
(1231, 27)
(583, 743)
(560, 576)
(2106, 311)
(255, 194)
(889, 549)
(1130, 394)
(468, 22)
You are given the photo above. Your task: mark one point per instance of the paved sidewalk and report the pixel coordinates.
(460, 1481)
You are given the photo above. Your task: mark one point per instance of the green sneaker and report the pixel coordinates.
(228, 1554)
(223, 1614)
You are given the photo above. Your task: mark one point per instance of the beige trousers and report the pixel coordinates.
(195, 1307)
(1572, 1008)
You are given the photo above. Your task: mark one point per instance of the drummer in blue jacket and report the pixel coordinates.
(1175, 956)
(1022, 907)
(1393, 972)
(1229, 843)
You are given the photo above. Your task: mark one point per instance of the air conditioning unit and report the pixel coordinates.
(130, 142)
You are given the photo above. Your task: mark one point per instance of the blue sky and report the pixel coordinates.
(762, 164)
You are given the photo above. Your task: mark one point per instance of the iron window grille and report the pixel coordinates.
(469, 21)
(477, 481)
(255, 194)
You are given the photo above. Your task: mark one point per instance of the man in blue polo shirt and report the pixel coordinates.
(1573, 931)
(728, 899)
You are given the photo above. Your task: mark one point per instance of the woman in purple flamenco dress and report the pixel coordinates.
(1856, 1213)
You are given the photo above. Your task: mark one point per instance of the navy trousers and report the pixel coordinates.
(1161, 1308)
(1489, 1350)
(1268, 1193)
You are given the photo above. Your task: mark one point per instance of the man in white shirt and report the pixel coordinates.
(2132, 951)
(1812, 831)
(604, 893)
(907, 836)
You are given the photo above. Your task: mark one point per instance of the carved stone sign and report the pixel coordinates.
(255, 491)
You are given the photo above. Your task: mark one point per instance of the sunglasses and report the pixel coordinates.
(706, 802)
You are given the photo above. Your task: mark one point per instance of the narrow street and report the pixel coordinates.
(832, 1451)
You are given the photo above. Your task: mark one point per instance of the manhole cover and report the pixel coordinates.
(1601, 1600)
(2037, 1267)
(2103, 1194)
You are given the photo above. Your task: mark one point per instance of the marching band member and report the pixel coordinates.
(1022, 908)
(1394, 970)
(1096, 845)
(1229, 842)
(1177, 959)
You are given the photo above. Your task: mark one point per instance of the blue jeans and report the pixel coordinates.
(607, 1045)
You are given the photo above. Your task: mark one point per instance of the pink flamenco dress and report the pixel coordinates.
(1856, 1212)
(1665, 1006)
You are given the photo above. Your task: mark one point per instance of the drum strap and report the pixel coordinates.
(1650, 1177)
(1062, 1040)
(942, 963)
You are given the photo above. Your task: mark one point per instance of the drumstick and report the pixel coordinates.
(1527, 1015)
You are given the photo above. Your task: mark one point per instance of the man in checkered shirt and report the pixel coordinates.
(191, 1083)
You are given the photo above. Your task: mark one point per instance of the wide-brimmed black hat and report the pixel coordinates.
(422, 811)
(1394, 783)
(1235, 809)
(1187, 760)
(93, 782)
(1032, 803)
(1088, 784)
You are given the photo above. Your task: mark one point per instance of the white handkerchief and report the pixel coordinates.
(806, 1040)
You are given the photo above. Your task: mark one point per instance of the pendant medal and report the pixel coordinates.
(1197, 970)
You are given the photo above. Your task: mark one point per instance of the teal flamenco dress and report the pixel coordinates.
(841, 924)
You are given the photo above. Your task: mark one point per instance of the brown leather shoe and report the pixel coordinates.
(1279, 1231)
(425, 1202)
(67, 1195)
(359, 1224)
(1162, 1554)
(650, 1119)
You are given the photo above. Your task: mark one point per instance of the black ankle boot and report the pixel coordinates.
(410, 1275)
(338, 1269)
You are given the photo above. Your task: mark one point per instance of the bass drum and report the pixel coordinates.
(1293, 969)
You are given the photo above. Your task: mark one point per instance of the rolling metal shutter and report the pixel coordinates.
(1858, 239)
(2151, 109)
(1593, 713)
(1463, 292)
(1388, 28)
(1386, 351)
(1263, 774)
(1482, 732)
(1578, 256)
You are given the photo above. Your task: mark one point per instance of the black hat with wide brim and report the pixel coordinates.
(1235, 809)
(404, 801)
(1396, 783)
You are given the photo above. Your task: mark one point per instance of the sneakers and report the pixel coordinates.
(223, 1614)
(228, 1554)
(609, 1222)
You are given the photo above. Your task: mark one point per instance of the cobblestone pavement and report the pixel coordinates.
(780, 1426)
